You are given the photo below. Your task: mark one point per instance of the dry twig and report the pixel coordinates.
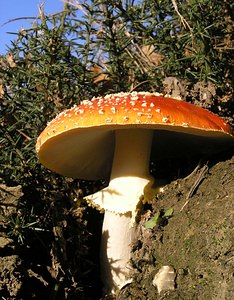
(199, 179)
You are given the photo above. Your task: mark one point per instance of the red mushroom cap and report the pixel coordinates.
(79, 142)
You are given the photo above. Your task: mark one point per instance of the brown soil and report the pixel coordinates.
(197, 240)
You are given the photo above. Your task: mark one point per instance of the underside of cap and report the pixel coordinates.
(88, 154)
(80, 142)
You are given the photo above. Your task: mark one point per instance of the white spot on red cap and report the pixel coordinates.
(165, 119)
(86, 102)
(140, 114)
(101, 111)
(114, 110)
(109, 120)
(133, 102)
(81, 110)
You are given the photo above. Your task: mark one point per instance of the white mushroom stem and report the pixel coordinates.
(117, 234)
(130, 175)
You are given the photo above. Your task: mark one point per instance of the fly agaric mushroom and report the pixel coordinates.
(111, 138)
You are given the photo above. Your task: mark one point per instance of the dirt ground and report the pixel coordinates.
(197, 240)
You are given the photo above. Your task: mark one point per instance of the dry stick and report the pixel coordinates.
(32, 274)
(194, 171)
(184, 22)
(24, 134)
(199, 179)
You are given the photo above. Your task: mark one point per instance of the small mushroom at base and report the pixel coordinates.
(164, 280)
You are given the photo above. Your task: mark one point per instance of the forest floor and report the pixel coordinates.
(197, 240)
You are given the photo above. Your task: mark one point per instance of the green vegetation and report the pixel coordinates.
(160, 218)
